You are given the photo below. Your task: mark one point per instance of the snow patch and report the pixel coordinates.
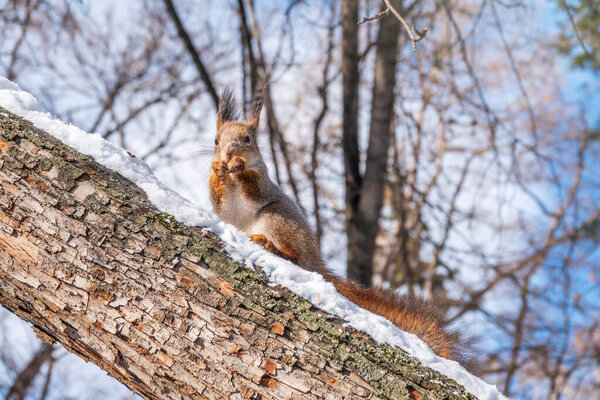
(307, 284)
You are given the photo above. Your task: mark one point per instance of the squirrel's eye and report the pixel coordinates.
(247, 139)
(216, 142)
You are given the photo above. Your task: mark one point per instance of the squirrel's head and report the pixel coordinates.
(237, 138)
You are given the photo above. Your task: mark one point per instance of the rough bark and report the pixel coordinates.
(161, 307)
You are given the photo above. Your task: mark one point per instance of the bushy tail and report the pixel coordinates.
(410, 314)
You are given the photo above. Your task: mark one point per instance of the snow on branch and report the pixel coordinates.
(100, 256)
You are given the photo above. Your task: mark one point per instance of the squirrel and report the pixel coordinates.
(242, 194)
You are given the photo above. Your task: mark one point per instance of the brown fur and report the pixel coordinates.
(249, 184)
(269, 246)
(217, 190)
(227, 108)
(410, 314)
(287, 249)
(277, 223)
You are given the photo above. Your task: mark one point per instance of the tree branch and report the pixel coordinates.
(414, 37)
(192, 50)
(380, 14)
(161, 307)
(25, 379)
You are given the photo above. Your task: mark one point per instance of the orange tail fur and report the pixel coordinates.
(410, 314)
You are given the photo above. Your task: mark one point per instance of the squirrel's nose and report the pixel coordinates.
(230, 152)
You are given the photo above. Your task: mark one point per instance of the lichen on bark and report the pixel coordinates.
(91, 263)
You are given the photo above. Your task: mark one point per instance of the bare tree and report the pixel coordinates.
(364, 224)
(484, 200)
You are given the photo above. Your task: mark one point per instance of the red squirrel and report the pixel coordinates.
(243, 195)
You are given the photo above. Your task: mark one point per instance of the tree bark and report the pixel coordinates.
(160, 306)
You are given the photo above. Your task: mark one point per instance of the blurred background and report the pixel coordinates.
(465, 171)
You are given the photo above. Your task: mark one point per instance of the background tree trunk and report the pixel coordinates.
(160, 306)
(364, 194)
(25, 378)
(350, 81)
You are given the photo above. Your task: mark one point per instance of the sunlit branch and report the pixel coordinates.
(415, 35)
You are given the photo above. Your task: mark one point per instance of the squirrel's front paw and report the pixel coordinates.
(219, 168)
(236, 164)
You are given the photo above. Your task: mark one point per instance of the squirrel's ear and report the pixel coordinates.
(257, 104)
(227, 108)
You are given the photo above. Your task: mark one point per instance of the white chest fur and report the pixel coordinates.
(238, 211)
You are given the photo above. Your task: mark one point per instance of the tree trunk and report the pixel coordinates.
(161, 307)
(365, 200)
(350, 81)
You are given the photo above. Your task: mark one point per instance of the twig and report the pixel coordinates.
(577, 33)
(414, 37)
(374, 17)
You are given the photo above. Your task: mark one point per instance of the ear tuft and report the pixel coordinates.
(228, 110)
(257, 104)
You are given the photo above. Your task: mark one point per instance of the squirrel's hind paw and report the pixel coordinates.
(263, 241)
(260, 240)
